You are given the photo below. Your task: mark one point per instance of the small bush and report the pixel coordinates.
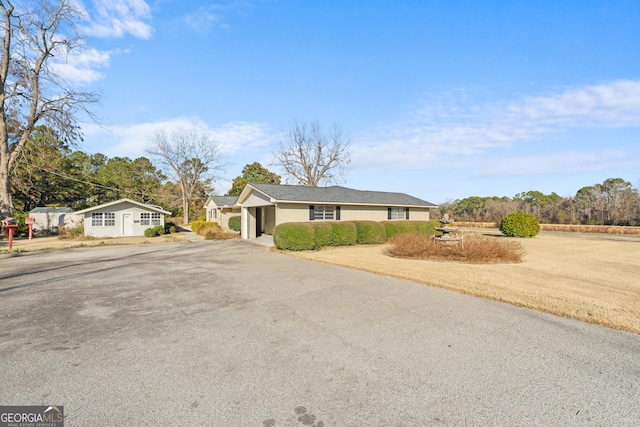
(196, 226)
(235, 223)
(323, 234)
(75, 232)
(217, 233)
(519, 224)
(169, 227)
(370, 232)
(159, 229)
(476, 249)
(294, 236)
(150, 232)
(343, 233)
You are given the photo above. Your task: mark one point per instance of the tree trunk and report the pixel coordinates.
(185, 210)
(6, 202)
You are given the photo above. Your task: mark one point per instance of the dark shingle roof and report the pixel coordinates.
(224, 200)
(337, 194)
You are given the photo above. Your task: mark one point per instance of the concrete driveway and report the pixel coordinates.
(231, 334)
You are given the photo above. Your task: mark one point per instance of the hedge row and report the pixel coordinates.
(304, 236)
(197, 225)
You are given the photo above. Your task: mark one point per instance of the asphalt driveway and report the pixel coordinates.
(231, 334)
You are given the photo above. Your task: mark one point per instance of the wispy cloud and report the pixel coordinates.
(83, 65)
(456, 127)
(131, 141)
(204, 18)
(117, 18)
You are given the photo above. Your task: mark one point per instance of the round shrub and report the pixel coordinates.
(519, 224)
(323, 234)
(294, 236)
(159, 229)
(370, 232)
(343, 233)
(150, 232)
(235, 223)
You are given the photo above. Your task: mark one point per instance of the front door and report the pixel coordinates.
(127, 224)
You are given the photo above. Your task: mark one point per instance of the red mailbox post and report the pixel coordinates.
(30, 222)
(10, 225)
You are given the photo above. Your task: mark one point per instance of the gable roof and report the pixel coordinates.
(153, 208)
(224, 200)
(336, 194)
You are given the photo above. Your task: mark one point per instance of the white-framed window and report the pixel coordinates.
(103, 219)
(323, 212)
(96, 219)
(109, 219)
(155, 218)
(398, 213)
(145, 218)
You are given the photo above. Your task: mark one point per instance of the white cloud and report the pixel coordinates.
(82, 66)
(202, 19)
(454, 127)
(131, 141)
(117, 18)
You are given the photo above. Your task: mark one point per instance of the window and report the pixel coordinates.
(96, 219)
(145, 218)
(322, 212)
(155, 218)
(398, 213)
(109, 219)
(106, 219)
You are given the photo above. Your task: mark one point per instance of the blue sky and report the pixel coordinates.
(441, 99)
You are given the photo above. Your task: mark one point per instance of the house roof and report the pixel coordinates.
(44, 209)
(224, 200)
(337, 194)
(153, 208)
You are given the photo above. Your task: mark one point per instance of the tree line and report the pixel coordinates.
(613, 202)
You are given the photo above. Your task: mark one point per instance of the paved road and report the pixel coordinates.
(230, 334)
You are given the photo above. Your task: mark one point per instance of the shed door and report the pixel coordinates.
(127, 224)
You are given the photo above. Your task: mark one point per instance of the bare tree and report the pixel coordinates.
(33, 33)
(190, 159)
(313, 155)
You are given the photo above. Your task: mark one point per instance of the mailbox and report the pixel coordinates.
(10, 225)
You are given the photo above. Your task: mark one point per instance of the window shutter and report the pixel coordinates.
(406, 213)
(389, 213)
(311, 210)
(337, 213)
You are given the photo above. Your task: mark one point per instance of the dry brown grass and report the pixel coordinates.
(217, 233)
(569, 228)
(588, 277)
(475, 249)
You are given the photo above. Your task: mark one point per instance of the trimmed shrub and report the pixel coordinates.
(159, 229)
(393, 228)
(150, 232)
(323, 233)
(294, 236)
(343, 233)
(519, 224)
(428, 228)
(370, 232)
(235, 223)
